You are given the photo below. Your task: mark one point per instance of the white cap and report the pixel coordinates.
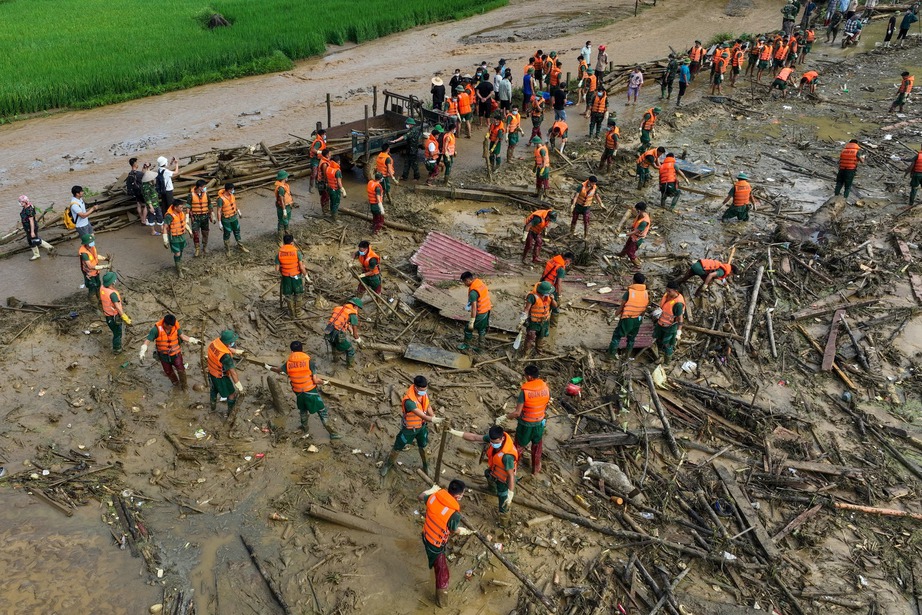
(162, 161)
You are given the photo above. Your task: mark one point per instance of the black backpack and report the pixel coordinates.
(161, 182)
(133, 184)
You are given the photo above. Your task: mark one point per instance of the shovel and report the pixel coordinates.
(518, 339)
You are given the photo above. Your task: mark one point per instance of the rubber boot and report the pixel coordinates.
(48, 247)
(198, 251)
(242, 248)
(425, 460)
(441, 598)
(178, 269)
(536, 450)
(204, 243)
(388, 463)
(183, 382)
(297, 307)
(35, 254)
(349, 359)
(214, 405)
(291, 307)
(226, 247)
(333, 434)
(539, 345)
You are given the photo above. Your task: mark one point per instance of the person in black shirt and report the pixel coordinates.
(485, 96)
(30, 226)
(560, 104)
(438, 93)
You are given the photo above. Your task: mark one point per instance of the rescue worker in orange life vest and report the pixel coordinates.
(283, 200)
(669, 181)
(849, 159)
(416, 414)
(503, 460)
(299, 367)
(669, 316)
(555, 269)
(536, 316)
(443, 518)
(708, 269)
(289, 262)
(479, 306)
(636, 299)
(536, 225)
(639, 231)
(375, 192)
(384, 164)
(495, 135)
(370, 263)
(175, 226)
(229, 217)
(531, 412)
(222, 371)
(167, 336)
(111, 302)
(915, 176)
(743, 201)
(345, 318)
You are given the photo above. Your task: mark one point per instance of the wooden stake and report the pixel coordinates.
(442, 442)
(670, 438)
(771, 331)
(273, 588)
(752, 305)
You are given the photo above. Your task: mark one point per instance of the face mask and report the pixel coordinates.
(363, 252)
(496, 444)
(422, 393)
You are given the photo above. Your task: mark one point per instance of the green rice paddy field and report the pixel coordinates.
(83, 53)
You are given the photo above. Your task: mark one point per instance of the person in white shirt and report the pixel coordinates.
(167, 169)
(497, 78)
(80, 214)
(586, 52)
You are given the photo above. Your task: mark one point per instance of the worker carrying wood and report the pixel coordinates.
(708, 269)
(229, 217)
(299, 367)
(416, 414)
(284, 200)
(536, 316)
(112, 308)
(531, 412)
(90, 265)
(175, 226)
(479, 306)
(222, 371)
(639, 231)
(289, 262)
(669, 317)
(536, 225)
(168, 337)
(366, 258)
(555, 270)
(443, 518)
(344, 319)
(743, 200)
(634, 303)
(502, 462)
(648, 158)
(201, 213)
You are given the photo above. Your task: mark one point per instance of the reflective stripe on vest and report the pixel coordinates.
(364, 260)
(848, 159)
(340, 317)
(540, 310)
(667, 318)
(667, 171)
(167, 341)
(299, 372)
(484, 304)
(177, 223)
(88, 266)
(637, 301)
(288, 260)
(216, 352)
(585, 194)
(440, 506)
(551, 269)
(282, 200)
(373, 188)
(411, 420)
(537, 397)
(198, 203)
(741, 193)
(495, 458)
(228, 204)
(542, 215)
(105, 296)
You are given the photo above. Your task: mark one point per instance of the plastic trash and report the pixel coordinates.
(689, 366)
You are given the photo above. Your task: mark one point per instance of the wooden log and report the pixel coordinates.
(384, 347)
(270, 583)
(771, 331)
(349, 386)
(881, 512)
(346, 520)
(796, 522)
(278, 401)
(756, 288)
(746, 510)
(41, 495)
(835, 367)
(442, 442)
(724, 334)
(462, 194)
(829, 352)
(388, 223)
(859, 350)
(811, 312)
(670, 438)
(524, 580)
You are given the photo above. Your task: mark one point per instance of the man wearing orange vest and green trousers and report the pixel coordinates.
(479, 306)
(201, 216)
(167, 336)
(639, 231)
(370, 262)
(345, 318)
(669, 181)
(554, 271)
(283, 198)
(300, 371)
(502, 461)
(848, 165)
(915, 177)
(222, 371)
(111, 302)
(669, 317)
(375, 190)
(175, 227)
(417, 413)
(708, 269)
(531, 412)
(743, 201)
(443, 518)
(230, 216)
(536, 317)
(631, 312)
(289, 262)
(535, 226)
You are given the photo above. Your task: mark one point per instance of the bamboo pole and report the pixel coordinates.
(757, 286)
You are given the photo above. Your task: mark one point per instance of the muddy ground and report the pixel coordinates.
(65, 396)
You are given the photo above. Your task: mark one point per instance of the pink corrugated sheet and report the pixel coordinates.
(443, 258)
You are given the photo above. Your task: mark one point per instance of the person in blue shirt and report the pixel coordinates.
(908, 19)
(684, 79)
(528, 85)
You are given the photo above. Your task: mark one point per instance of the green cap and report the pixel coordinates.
(553, 54)
(552, 216)
(545, 288)
(228, 337)
(410, 122)
(612, 121)
(590, 71)
(438, 128)
(109, 278)
(536, 140)
(459, 88)
(357, 302)
(282, 175)
(87, 239)
(657, 110)
(742, 176)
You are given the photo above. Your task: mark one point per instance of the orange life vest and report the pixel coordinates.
(586, 193)
(440, 506)
(410, 419)
(611, 137)
(637, 301)
(167, 341)
(216, 352)
(432, 155)
(332, 170)
(811, 35)
(917, 167)
(298, 368)
(590, 82)
(720, 65)
(464, 103)
(88, 266)
(315, 151)
(810, 76)
(513, 121)
(384, 164)
(667, 318)
(906, 85)
(742, 191)
(540, 310)
(108, 306)
(537, 397)
(649, 123)
(784, 73)
(322, 170)
(285, 200)
(643, 217)
(766, 53)
(781, 51)
(696, 53)
(667, 172)
(756, 50)
(452, 109)
(340, 317)
(288, 261)
(600, 103)
(642, 159)
(375, 191)
(495, 458)
(198, 203)
(495, 128)
(537, 106)
(552, 269)
(581, 69)
(554, 77)
(471, 97)
(710, 265)
(794, 46)
(228, 204)
(848, 159)
(542, 161)
(484, 304)
(542, 214)
(538, 62)
(364, 260)
(737, 58)
(547, 64)
(448, 144)
(177, 223)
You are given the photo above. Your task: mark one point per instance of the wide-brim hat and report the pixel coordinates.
(437, 81)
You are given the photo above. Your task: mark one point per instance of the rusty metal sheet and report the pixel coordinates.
(443, 258)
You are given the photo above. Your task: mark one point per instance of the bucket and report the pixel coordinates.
(573, 390)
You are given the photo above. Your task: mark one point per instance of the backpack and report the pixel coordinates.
(161, 182)
(70, 222)
(133, 185)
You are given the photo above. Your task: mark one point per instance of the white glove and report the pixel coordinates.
(438, 420)
(324, 382)
(267, 366)
(522, 318)
(239, 386)
(239, 352)
(166, 241)
(657, 313)
(143, 353)
(463, 531)
(502, 418)
(101, 267)
(456, 432)
(431, 490)
(343, 190)
(678, 335)
(194, 341)
(508, 501)
(470, 324)
(358, 341)
(524, 236)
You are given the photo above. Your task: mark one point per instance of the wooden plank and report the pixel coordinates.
(437, 356)
(915, 280)
(797, 522)
(838, 370)
(810, 312)
(822, 468)
(462, 193)
(903, 250)
(746, 510)
(348, 386)
(829, 353)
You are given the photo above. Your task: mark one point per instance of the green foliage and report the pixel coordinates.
(720, 37)
(83, 53)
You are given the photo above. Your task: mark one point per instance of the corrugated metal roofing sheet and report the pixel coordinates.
(442, 258)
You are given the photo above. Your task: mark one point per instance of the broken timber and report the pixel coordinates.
(748, 513)
(838, 370)
(829, 353)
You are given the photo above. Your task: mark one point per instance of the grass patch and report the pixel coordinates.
(83, 53)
